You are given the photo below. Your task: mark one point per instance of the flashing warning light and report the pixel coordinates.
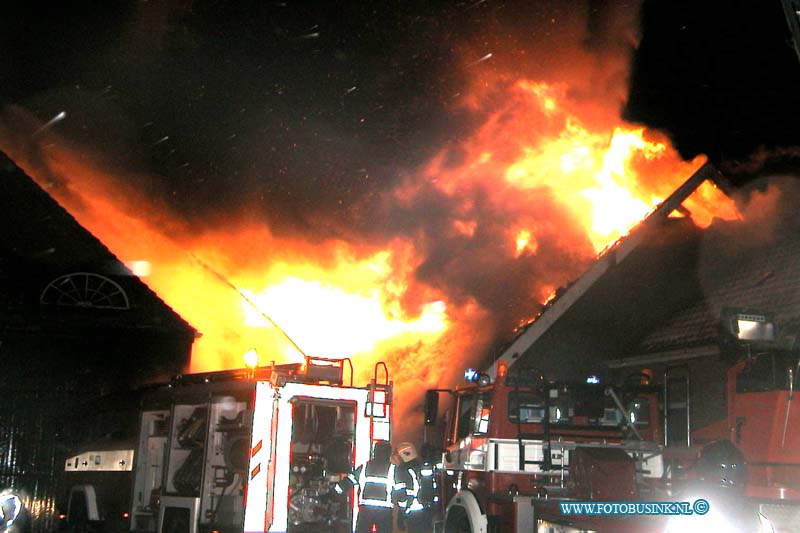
(477, 377)
(502, 369)
(126, 515)
(251, 358)
(593, 380)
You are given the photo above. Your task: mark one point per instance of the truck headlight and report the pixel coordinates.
(10, 507)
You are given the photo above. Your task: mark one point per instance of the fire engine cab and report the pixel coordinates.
(519, 449)
(518, 445)
(251, 450)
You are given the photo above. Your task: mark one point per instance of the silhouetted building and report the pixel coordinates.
(75, 324)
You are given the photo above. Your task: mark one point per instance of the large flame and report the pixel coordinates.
(608, 178)
(553, 183)
(339, 299)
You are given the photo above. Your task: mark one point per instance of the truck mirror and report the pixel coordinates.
(431, 407)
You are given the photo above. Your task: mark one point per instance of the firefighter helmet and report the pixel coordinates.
(407, 451)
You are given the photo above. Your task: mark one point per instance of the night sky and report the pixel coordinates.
(308, 105)
(721, 77)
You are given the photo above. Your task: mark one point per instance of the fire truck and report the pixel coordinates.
(250, 450)
(762, 419)
(517, 446)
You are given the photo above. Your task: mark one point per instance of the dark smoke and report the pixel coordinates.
(310, 119)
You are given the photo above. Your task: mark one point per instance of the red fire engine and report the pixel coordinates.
(517, 447)
(518, 444)
(761, 419)
(235, 451)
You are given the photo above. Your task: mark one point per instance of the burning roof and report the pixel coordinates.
(658, 294)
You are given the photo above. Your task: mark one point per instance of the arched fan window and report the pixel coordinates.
(84, 289)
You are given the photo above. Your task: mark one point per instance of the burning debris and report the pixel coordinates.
(481, 60)
(58, 118)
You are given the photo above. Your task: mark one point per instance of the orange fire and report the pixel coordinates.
(558, 183)
(608, 179)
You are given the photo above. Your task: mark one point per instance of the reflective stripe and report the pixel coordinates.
(377, 503)
(338, 489)
(426, 472)
(414, 490)
(415, 506)
(363, 479)
(412, 502)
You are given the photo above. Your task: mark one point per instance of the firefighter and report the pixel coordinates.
(416, 514)
(380, 487)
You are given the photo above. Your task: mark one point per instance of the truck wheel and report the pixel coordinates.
(457, 521)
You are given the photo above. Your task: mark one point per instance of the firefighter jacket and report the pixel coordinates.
(380, 484)
(420, 486)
